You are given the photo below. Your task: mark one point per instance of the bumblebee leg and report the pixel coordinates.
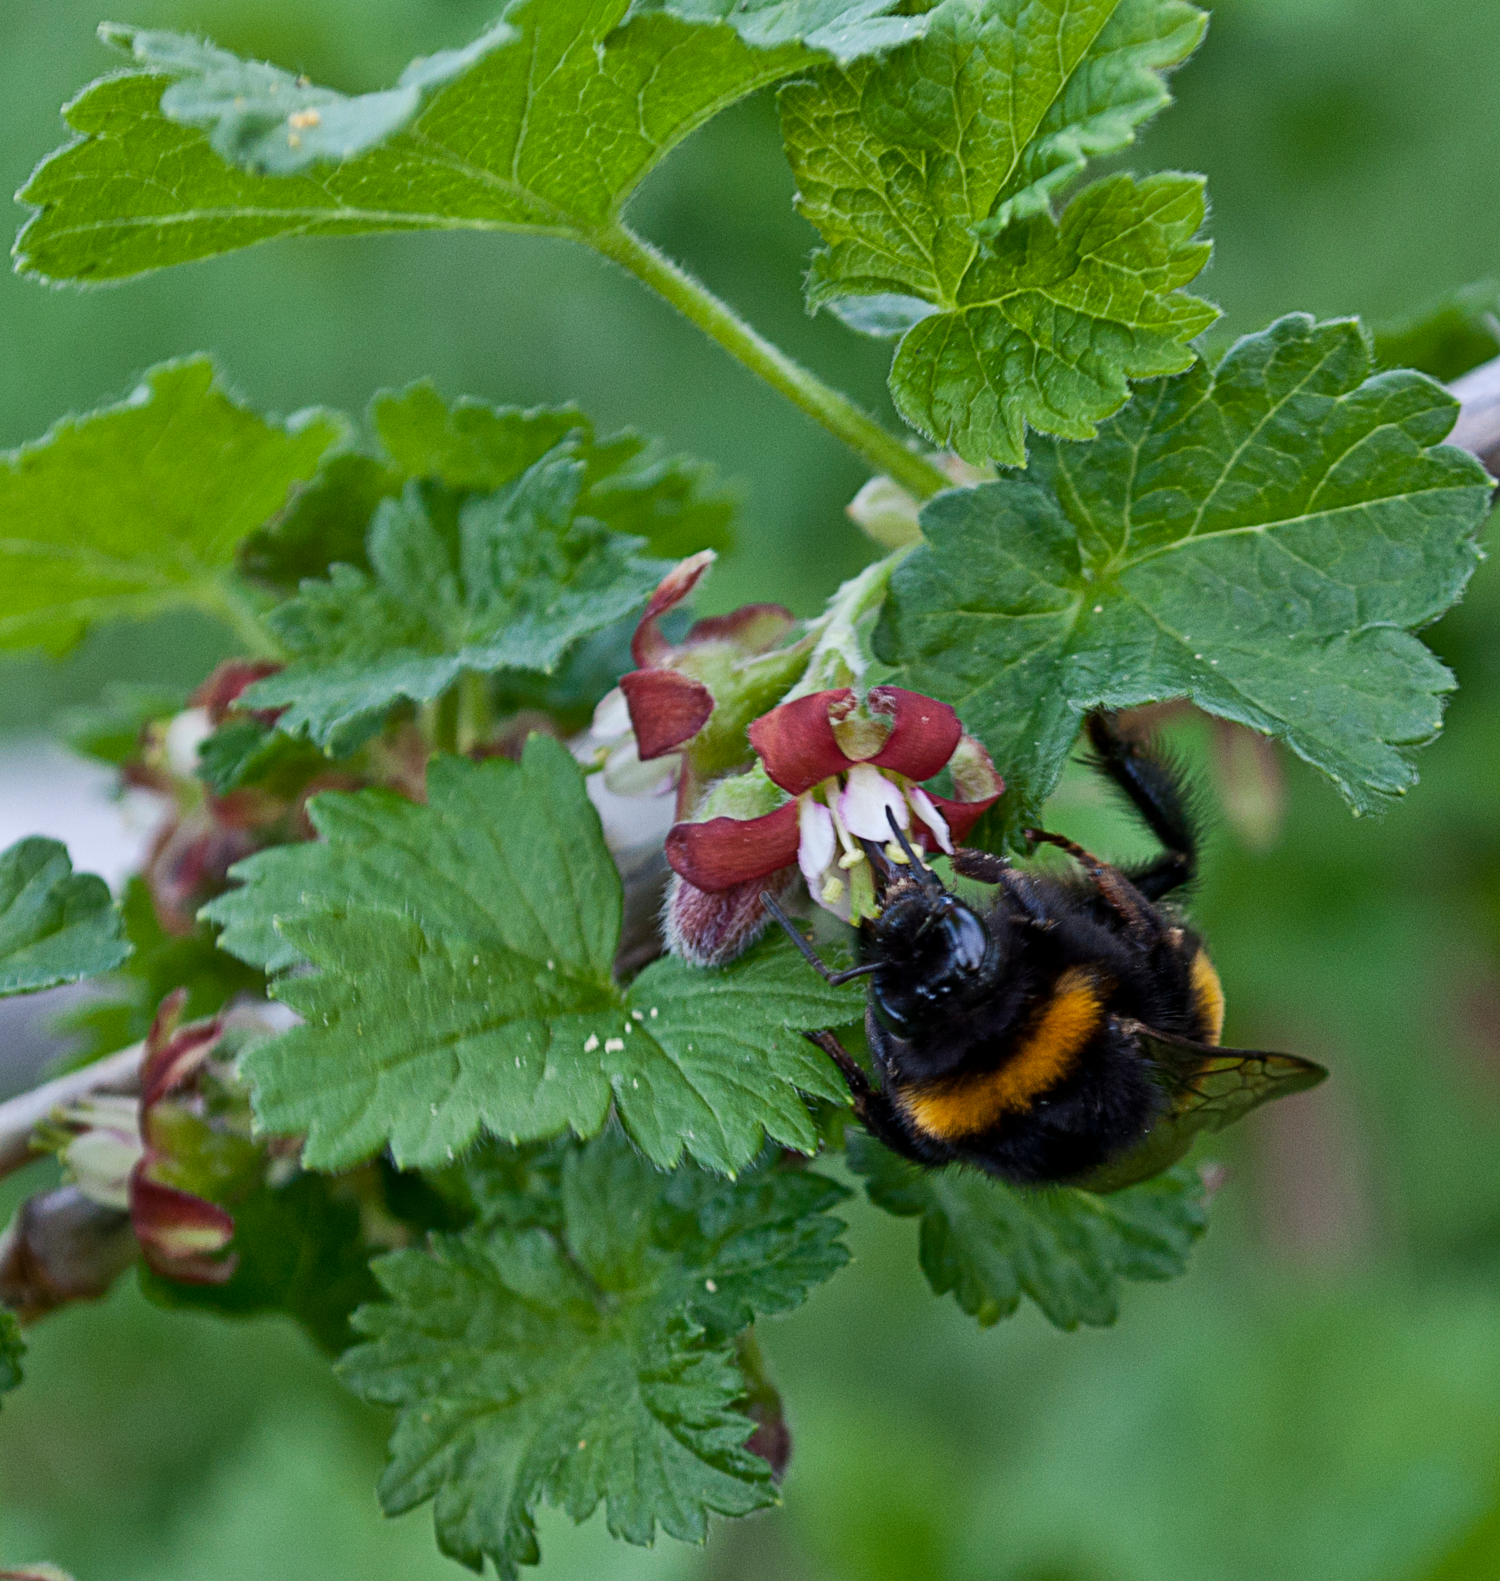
(982, 866)
(1156, 786)
(813, 959)
(985, 868)
(1117, 891)
(872, 1108)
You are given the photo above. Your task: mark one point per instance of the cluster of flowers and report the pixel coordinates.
(149, 1172)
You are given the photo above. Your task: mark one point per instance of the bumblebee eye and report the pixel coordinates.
(965, 942)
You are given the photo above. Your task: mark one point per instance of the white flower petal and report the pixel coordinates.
(922, 805)
(626, 775)
(817, 843)
(865, 799)
(184, 735)
(611, 717)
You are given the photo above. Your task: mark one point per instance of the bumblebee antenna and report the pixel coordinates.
(925, 876)
(809, 954)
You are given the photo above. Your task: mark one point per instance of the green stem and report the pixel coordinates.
(237, 610)
(836, 412)
(476, 718)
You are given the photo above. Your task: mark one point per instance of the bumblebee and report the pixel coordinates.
(1070, 1033)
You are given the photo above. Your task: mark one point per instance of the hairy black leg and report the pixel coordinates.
(872, 1108)
(1157, 788)
(810, 955)
(986, 868)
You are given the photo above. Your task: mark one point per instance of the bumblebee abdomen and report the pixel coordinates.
(1044, 1054)
(1208, 996)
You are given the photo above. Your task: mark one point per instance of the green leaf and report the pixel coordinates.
(674, 502)
(137, 508)
(1261, 538)
(930, 174)
(243, 753)
(1445, 337)
(300, 1251)
(274, 122)
(1052, 323)
(324, 524)
(527, 578)
(12, 1349)
(845, 29)
(56, 926)
(549, 133)
(463, 951)
(158, 962)
(1068, 1250)
(591, 1361)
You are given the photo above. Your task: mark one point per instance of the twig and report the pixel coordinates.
(20, 1116)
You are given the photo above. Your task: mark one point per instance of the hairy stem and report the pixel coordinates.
(836, 412)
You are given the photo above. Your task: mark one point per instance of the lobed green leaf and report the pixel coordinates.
(463, 951)
(527, 578)
(137, 508)
(1263, 538)
(589, 1359)
(1068, 1250)
(931, 172)
(274, 122)
(547, 130)
(56, 926)
(630, 485)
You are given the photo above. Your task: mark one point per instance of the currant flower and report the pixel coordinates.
(834, 772)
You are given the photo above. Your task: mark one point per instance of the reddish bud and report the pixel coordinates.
(709, 929)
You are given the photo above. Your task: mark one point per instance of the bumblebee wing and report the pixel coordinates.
(1207, 1088)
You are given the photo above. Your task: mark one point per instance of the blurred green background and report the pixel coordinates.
(1319, 1400)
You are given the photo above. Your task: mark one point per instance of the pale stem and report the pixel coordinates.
(20, 1116)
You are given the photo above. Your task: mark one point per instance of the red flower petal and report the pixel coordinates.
(752, 628)
(924, 733)
(796, 740)
(666, 709)
(173, 1056)
(180, 1233)
(722, 852)
(648, 647)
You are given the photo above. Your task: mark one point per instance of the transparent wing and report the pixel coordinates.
(1207, 1088)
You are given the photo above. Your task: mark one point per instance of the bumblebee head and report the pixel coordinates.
(934, 954)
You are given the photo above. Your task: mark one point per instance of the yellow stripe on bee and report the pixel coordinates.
(1045, 1054)
(1208, 995)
